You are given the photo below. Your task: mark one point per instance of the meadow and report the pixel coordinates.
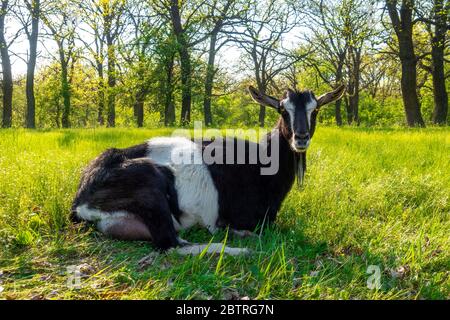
(373, 200)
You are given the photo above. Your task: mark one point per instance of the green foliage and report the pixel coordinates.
(372, 197)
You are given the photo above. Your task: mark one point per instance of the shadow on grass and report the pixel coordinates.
(285, 265)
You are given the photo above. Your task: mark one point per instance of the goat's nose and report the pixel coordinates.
(302, 136)
(301, 140)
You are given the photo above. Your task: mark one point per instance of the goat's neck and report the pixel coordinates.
(288, 160)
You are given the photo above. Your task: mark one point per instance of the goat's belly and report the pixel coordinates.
(118, 225)
(197, 195)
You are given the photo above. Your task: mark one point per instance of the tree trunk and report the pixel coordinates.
(210, 72)
(337, 111)
(347, 106)
(355, 79)
(65, 90)
(350, 90)
(7, 72)
(111, 96)
(169, 106)
(58, 115)
(409, 88)
(139, 109)
(438, 71)
(185, 63)
(100, 94)
(31, 64)
(338, 103)
(186, 89)
(262, 109)
(440, 91)
(403, 27)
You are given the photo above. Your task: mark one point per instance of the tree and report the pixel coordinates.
(168, 87)
(359, 31)
(60, 19)
(92, 18)
(403, 26)
(179, 31)
(222, 15)
(150, 55)
(112, 12)
(263, 30)
(435, 15)
(7, 85)
(164, 53)
(186, 19)
(30, 23)
(105, 21)
(327, 24)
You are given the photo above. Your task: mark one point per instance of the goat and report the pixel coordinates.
(140, 193)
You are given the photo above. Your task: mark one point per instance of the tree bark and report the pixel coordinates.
(262, 109)
(185, 63)
(169, 106)
(139, 109)
(347, 105)
(438, 71)
(186, 89)
(440, 91)
(65, 87)
(100, 94)
(65, 92)
(355, 87)
(409, 86)
(339, 76)
(210, 72)
(403, 27)
(111, 95)
(7, 87)
(34, 8)
(58, 113)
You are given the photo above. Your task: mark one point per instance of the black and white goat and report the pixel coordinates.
(139, 193)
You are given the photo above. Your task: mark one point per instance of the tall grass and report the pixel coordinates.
(372, 197)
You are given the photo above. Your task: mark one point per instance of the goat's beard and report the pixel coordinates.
(301, 169)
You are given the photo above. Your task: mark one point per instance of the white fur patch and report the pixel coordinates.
(198, 198)
(290, 108)
(103, 220)
(310, 107)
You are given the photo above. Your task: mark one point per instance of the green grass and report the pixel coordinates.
(372, 197)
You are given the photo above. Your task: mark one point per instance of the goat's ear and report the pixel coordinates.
(263, 99)
(331, 96)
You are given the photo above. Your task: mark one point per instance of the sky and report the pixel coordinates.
(228, 58)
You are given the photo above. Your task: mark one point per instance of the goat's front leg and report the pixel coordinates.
(239, 233)
(211, 248)
(182, 242)
(186, 248)
(235, 232)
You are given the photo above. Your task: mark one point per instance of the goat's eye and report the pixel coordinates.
(281, 108)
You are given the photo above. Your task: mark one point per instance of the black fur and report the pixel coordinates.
(122, 180)
(127, 180)
(300, 99)
(247, 198)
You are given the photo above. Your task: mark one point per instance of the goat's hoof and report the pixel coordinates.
(246, 252)
(244, 234)
(183, 243)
